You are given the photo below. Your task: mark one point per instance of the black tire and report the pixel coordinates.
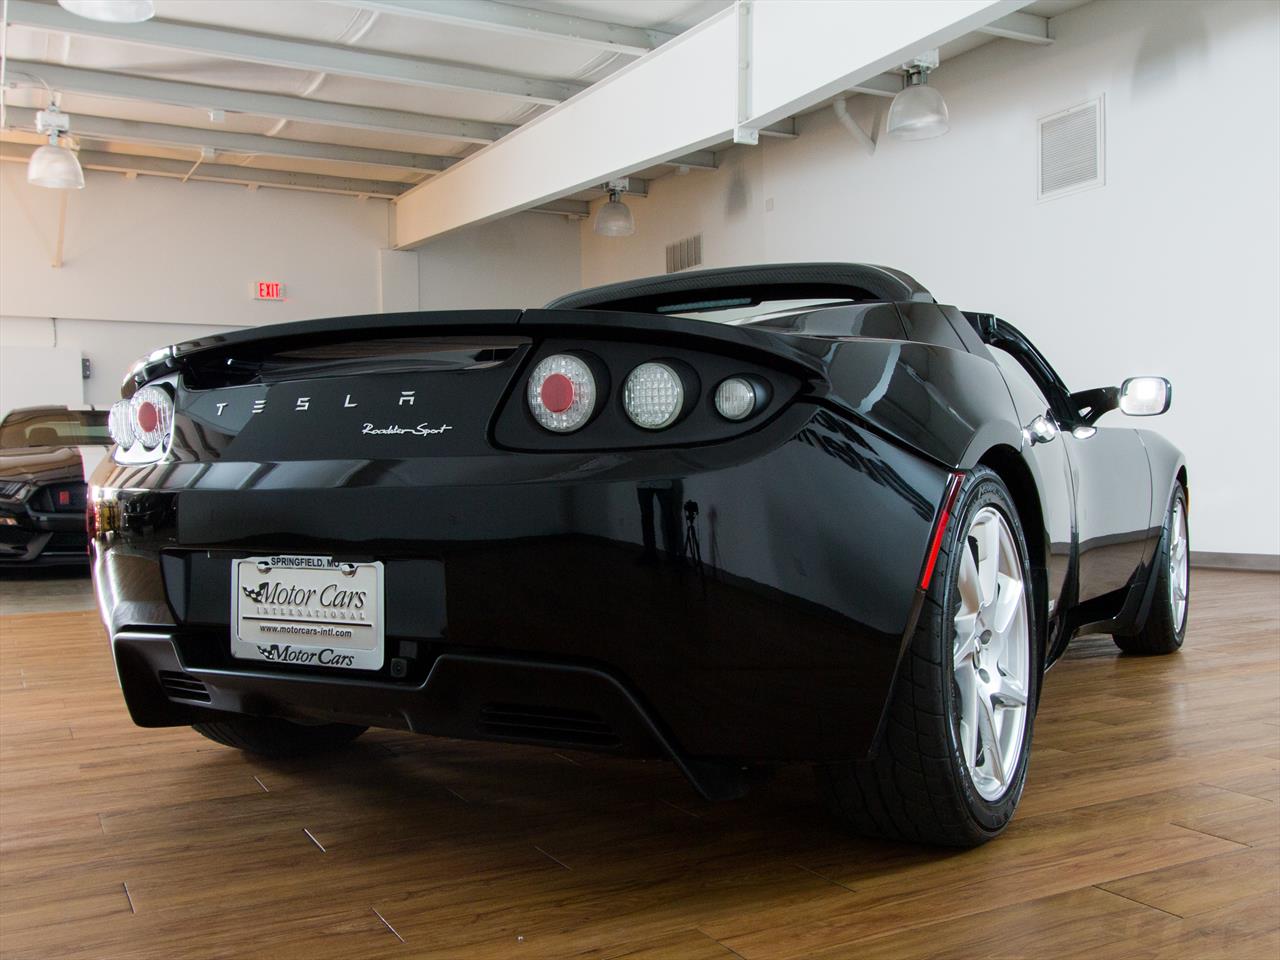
(918, 786)
(1160, 634)
(272, 737)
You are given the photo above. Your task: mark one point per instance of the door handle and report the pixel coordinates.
(1040, 430)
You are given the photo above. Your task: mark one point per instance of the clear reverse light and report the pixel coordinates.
(562, 393)
(735, 399)
(120, 425)
(653, 396)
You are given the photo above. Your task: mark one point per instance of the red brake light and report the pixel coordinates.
(557, 393)
(148, 417)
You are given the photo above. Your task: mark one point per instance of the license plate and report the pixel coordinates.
(310, 611)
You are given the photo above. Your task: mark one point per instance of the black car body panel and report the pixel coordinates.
(719, 592)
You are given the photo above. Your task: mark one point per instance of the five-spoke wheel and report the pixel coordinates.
(952, 761)
(991, 654)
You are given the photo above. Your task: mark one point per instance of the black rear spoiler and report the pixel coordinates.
(744, 341)
(744, 286)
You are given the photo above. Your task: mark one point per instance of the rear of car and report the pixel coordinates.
(43, 493)
(408, 521)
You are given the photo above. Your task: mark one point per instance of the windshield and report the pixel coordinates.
(740, 311)
(54, 428)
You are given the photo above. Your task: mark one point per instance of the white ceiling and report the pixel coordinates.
(382, 27)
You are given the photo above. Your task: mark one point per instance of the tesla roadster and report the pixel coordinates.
(735, 518)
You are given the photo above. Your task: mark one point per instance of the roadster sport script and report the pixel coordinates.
(309, 611)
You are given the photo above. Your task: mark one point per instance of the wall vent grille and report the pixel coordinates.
(684, 254)
(1071, 150)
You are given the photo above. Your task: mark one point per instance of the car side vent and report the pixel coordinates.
(183, 686)
(684, 254)
(1071, 150)
(546, 724)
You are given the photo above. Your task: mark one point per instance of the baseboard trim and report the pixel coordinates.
(1263, 562)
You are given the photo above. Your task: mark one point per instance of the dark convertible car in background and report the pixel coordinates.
(845, 525)
(42, 486)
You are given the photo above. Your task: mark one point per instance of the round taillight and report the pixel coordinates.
(151, 413)
(653, 396)
(562, 393)
(147, 417)
(736, 398)
(120, 425)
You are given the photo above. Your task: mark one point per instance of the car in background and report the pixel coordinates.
(42, 485)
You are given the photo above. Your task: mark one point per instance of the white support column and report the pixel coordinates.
(397, 281)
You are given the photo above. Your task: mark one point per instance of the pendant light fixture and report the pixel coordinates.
(918, 112)
(53, 165)
(614, 217)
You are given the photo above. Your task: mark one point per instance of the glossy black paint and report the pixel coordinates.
(716, 592)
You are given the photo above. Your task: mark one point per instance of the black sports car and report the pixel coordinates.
(42, 488)
(845, 525)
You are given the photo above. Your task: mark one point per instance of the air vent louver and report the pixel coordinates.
(520, 721)
(182, 686)
(684, 254)
(1071, 150)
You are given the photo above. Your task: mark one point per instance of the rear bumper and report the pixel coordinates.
(746, 601)
(30, 538)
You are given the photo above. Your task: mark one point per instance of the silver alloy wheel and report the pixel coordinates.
(1178, 565)
(991, 653)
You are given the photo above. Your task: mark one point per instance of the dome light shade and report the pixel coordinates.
(111, 11)
(55, 167)
(918, 112)
(614, 218)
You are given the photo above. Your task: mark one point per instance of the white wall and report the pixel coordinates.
(1171, 268)
(522, 261)
(154, 261)
(111, 346)
(159, 250)
(33, 376)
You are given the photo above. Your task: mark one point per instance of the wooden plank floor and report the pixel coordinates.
(1150, 828)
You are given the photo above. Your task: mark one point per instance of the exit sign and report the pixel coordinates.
(268, 290)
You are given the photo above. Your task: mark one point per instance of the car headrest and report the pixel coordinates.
(42, 437)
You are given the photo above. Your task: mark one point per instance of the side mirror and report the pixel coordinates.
(1145, 396)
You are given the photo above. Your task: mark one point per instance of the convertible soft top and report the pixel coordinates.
(743, 286)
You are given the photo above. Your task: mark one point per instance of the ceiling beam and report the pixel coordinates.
(296, 54)
(844, 45)
(217, 172)
(686, 96)
(251, 176)
(122, 86)
(226, 141)
(574, 209)
(783, 129)
(699, 160)
(884, 85)
(522, 22)
(1026, 27)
